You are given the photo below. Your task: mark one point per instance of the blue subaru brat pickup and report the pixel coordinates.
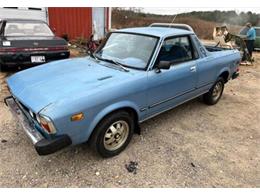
(136, 74)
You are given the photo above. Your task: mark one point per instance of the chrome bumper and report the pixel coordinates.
(42, 145)
(19, 113)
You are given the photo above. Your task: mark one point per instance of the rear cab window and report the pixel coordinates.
(199, 46)
(27, 28)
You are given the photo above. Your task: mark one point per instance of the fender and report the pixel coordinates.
(109, 109)
(224, 69)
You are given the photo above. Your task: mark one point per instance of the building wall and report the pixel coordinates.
(75, 22)
(37, 13)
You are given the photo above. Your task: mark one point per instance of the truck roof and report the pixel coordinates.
(156, 31)
(173, 25)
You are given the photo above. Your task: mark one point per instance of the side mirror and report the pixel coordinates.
(164, 65)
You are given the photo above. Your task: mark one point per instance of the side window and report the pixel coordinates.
(177, 49)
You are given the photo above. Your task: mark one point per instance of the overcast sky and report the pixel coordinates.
(172, 11)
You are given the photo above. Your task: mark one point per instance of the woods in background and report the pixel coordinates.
(203, 23)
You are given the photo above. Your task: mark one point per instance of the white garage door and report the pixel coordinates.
(37, 13)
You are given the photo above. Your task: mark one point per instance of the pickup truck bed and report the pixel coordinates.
(211, 48)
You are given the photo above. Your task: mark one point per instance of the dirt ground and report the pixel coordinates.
(193, 145)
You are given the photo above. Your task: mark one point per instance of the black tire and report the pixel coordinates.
(97, 139)
(209, 97)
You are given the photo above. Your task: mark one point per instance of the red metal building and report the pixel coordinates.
(72, 21)
(80, 21)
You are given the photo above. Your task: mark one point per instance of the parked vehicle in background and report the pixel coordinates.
(29, 42)
(243, 32)
(173, 25)
(135, 74)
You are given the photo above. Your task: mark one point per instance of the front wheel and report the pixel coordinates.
(113, 134)
(213, 96)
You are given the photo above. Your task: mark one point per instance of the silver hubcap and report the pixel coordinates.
(116, 135)
(217, 90)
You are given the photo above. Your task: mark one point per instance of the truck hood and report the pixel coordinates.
(43, 85)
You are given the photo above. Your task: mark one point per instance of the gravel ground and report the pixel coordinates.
(193, 145)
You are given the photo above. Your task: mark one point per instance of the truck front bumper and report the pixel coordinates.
(42, 145)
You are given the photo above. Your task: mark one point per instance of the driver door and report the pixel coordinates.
(167, 88)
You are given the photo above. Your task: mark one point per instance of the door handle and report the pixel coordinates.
(193, 69)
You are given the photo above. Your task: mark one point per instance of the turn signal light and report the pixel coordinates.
(77, 117)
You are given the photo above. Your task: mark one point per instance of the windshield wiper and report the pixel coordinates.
(93, 56)
(122, 66)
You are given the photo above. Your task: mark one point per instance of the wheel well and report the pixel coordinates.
(224, 75)
(132, 112)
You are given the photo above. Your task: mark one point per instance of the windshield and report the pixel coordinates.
(27, 28)
(131, 50)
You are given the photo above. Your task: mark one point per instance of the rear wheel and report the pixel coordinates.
(213, 96)
(113, 134)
